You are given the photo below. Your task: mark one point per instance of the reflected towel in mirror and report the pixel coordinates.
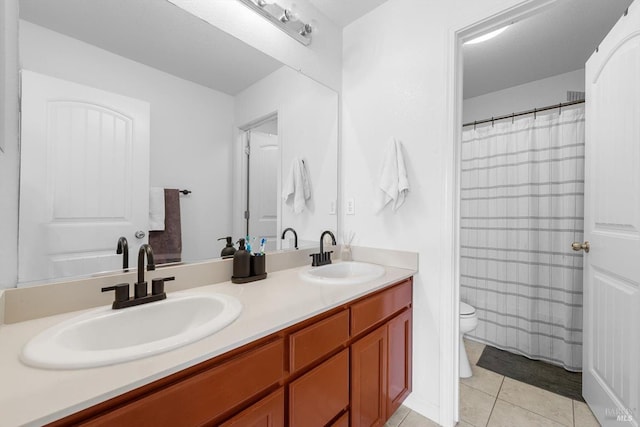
(156, 209)
(394, 183)
(167, 244)
(296, 188)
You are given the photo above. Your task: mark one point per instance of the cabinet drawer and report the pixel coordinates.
(269, 412)
(321, 394)
(204, 396)
(372, 310)
(315, 341)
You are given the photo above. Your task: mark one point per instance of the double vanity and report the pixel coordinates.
(307, 346)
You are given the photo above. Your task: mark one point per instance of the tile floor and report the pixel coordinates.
(490, 399)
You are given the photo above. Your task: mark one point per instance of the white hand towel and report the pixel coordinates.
(296, 188)
(394, 184)
(156, 209)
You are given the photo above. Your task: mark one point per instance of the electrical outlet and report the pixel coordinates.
(351, 206)
(332, 207)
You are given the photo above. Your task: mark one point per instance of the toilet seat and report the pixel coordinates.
(466, 310)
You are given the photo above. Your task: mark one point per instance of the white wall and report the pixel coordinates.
(307, 128)
(321, 60)
(9, 151)
(191, 128)
(536, 94)
(397, 82)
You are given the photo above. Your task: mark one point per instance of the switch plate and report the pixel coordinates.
(332, 207)
(351, 206)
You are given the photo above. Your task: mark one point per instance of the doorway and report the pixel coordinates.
(261, 181)
(506, 245)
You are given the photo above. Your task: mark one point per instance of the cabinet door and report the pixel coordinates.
(369, 379)
(399, 368)
(269, 412)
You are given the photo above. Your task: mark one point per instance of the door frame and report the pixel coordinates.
(241, 165)
(450, 296)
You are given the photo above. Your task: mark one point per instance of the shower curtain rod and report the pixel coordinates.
(522, 113)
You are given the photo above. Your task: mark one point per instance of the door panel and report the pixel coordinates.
(369, 380)
(400, 348)
(263, 185)
(84, 177)
(611, 378)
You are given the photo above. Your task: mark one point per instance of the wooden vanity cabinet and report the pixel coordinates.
(269, 412)
(203, 398)
(381, 360)
(348, 366)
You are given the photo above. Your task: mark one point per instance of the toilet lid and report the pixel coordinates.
(466, 309)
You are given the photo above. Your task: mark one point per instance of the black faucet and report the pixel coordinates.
(140, 287)
(123, 248)
(323, 257)
(295, 236)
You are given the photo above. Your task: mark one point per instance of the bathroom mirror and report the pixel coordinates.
(225, 122)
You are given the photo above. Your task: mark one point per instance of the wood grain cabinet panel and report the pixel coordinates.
(317, 340)
(321, 394)
(204, 397)
(369, 312)
(369, 380)
(269, 412)
(343, 421)
(399, 360)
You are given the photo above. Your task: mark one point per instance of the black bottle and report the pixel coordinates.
(229, 250)
(241, 262)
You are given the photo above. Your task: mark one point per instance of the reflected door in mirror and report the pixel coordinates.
(84, 178)
(264, 163)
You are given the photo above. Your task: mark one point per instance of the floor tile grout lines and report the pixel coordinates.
(573, 412)
(496, 399)
(404, 418)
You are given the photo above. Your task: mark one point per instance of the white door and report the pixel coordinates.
(264, 159)
(84, 178)
(611, 356)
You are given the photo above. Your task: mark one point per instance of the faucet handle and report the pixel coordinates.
(122, 291)
(157, 285)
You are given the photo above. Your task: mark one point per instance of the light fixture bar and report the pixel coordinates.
(281, 18)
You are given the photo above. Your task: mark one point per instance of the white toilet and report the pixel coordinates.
(468, 322)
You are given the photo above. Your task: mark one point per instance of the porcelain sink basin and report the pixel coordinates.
(105, 336)
(343, 273)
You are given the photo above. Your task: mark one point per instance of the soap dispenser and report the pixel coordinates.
(241, 262)
(228, 251)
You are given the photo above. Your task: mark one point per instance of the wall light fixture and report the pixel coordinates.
(285, 19)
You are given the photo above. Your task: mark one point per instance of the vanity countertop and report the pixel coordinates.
(30, 396)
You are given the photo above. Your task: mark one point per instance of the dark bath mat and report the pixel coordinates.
(536, 373)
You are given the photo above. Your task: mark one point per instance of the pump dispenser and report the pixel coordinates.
(229, 250)
(241, 262)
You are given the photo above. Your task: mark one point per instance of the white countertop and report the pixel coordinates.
(31, 396)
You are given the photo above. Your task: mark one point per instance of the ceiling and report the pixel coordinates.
(166, 37)
(558, 40)
(344, 12)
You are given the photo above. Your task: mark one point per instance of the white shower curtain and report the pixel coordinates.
(522, 194)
